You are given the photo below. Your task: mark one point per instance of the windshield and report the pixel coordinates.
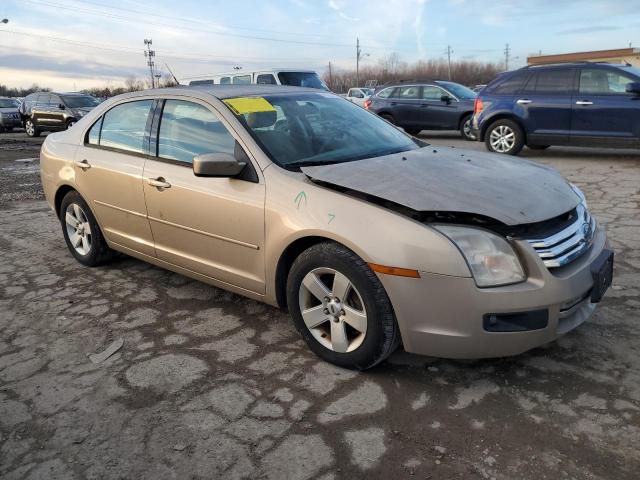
(317, 129)
(460, 91)
(80, 101)
(302, 79)
(8, 103)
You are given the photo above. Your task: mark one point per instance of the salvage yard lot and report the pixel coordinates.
(212, 385)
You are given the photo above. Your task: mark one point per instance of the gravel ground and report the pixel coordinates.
(211, 385)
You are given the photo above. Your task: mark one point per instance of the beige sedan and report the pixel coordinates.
(300, 199)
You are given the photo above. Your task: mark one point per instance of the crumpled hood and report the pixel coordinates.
(439, 179)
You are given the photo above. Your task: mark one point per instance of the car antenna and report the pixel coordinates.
(174, 77)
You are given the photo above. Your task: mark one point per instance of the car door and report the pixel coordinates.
(40, 113)
(405, 106)
(56, 111)
(211, 226)
(602, 109)
(545, 107)
(108, 174)
(437, 113)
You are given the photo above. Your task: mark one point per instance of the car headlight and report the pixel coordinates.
(78, 114)
(490, 257)
(578, 192)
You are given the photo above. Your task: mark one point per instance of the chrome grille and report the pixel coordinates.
(568, 244)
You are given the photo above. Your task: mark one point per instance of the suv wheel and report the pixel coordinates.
(504, 136)
(31, 128)
(340, 307)
(82, 233)
(465, 128)
(70, 123)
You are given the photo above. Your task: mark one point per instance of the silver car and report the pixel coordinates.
(299, 199)
(9, 114)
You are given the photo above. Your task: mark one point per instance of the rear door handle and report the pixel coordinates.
(584, 102)
(83, 164)
(523, 101)
(159, 183)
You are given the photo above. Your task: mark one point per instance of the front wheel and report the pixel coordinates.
(340, 307)
(466, 129)
(31, 128)
(504, 136)
(82, 233)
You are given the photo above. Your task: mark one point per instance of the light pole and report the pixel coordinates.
(150, 54)
(359, 55)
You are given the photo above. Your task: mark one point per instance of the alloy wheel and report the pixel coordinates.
(468, 132)
(29, 127)
(502, 138)
(333, 310)
(78, 228)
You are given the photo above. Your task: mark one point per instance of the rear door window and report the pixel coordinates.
(598, 81)
(124, 126)
(551, 82)
(432, 93)
(409, 92)
(386, 93)
(225, 80)
(266, 79)
(188, 129)
(510, 85)
(242, 80)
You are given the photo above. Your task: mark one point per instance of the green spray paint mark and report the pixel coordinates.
(299, 198)
(331, 217)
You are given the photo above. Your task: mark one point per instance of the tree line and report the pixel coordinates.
(392, 69)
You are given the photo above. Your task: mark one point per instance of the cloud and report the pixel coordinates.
(591, 29)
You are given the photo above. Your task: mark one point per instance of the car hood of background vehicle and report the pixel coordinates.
(9, 110)
(510, 190)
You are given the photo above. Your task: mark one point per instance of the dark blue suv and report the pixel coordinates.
(416, 106)
(581, 104)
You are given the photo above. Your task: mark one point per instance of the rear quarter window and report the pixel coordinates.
(510, 85)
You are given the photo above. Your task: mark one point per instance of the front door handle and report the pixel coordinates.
(159, 183)
(523, 101)
(584, 102)
(83, 164)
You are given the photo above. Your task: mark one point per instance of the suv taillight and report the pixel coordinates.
(478, 106)
(367, 103)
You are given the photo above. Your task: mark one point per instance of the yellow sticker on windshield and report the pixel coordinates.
(243, 105)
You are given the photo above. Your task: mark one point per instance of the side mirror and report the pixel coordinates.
(446, 99)
(217, 165)
(61, 106)
(633, 87)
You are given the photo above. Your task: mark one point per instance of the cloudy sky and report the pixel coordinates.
(74, 44)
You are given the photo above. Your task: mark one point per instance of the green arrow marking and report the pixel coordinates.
(299, 198)
(331, 217)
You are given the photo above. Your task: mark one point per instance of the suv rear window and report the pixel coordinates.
(555, 82)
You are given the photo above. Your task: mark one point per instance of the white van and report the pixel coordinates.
(294, 78)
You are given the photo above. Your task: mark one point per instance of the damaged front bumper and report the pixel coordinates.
(450, 317)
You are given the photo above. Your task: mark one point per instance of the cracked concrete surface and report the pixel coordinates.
(212, 385)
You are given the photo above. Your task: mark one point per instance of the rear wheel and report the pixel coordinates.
(340, 307)
(82, 233)
(31, 128)
(504, 136)
(465, 128)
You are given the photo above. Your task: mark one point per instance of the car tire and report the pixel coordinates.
(538, 147)
(388, 118)
(357, 331)
(82, 232)
(504, 136)
(412, 131)
(70, 123)
(31, 128)
(466, 128)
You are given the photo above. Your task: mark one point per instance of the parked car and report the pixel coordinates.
(50, 111)
(437, 105)
(9, 115)
(359, 95)
(369, 236)
(477, 88)
(279, 76)
(581, 104)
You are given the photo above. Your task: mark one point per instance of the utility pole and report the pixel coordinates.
(330, 77)
(449, 51)
(150, 54)
(359, 56)
(507, 53)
